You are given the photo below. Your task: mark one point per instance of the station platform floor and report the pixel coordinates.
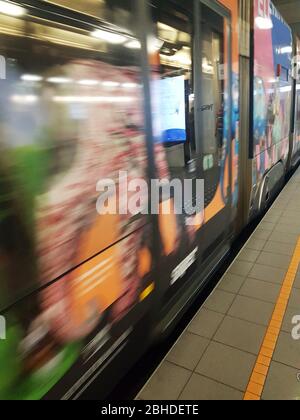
(242, 344)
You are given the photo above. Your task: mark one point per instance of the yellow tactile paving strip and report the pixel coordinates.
(261, 369)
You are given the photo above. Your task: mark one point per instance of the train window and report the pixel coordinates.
(117, 12)
(284, 74)
(212, 87)
(193, 87)
(297, 108)
(174, 30)
(94, 8)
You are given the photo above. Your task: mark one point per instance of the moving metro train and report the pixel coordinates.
(157, 89)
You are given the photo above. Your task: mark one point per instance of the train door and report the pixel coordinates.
(214, 121)
(173, 93)
(191, 85)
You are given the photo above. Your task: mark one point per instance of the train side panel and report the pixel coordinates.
(83, 292)
(272, 98)
(74, 280)
(79, 287)
(296, 134)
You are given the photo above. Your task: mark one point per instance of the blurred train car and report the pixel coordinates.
(160, 89)
(295, 149)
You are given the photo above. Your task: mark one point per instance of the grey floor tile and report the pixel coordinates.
(287, 238)
(285, 220)
(219, 301)
(288, 228)
(279, 248)
(248, 255)
(241, 268)
(294, 205)
(200, 388)
(287, 351)
(231, 283)
(285, 196)
(268, 274)
(240, 334)
(297, 281)
(274, 212)
(261, 234)
(252, 310)
(294, 301)
(188, 350)
(261, 290)
(274, 260)
(227, 365)
(167, 383)
(282, 383)
(267, 225)
(206, 323)
(256, 244)
(292, 214)
(272, 218)
(279, 205)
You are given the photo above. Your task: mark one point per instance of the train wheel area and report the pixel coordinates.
(243, 344)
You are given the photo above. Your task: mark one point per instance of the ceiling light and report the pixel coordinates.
(129, 85)
(286, 50)
(110, 84)
(134, 44)
(31, 78)
(263, 23)
(110, 37)
(154, 44)
(88, 82)
(285, 89)
(92, 99)
(24, 99)
(59, 80)
(11, 9)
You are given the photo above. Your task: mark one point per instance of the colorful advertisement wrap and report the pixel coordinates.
(296, 149)
(71, 114)
(273, 48)
(232, 6)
